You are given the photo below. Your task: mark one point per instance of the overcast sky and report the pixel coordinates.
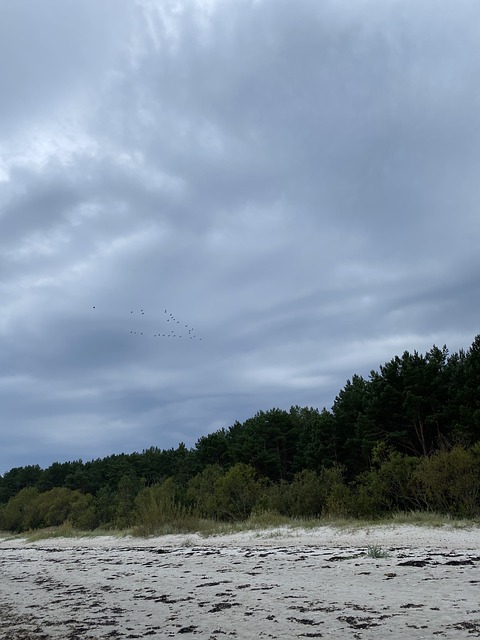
(214, 207)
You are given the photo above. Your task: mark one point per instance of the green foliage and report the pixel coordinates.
(450, 481)
(389, 485)
(309, 495)
(201, 491)
(316, 443)
(409, 401)
(354, 430)
(61, 504)
(338, 495)
(17, 479)
(156, 505)
(212, 449)
(159, 510)
(375, 551)
(59, 474)
(105, 505)
(235, 493)
(127, 490)
(266, 442)
(21, 511)
(302, 497)
(464, 394)
(30, 509)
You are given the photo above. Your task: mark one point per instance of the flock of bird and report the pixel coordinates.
(177, 332)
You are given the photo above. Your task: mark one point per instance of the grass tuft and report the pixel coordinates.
(375, 551)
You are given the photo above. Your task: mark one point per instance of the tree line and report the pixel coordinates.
(405, 438)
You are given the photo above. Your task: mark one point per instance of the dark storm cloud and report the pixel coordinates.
(296, 181)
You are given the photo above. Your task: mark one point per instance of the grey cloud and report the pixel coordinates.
(54, 51)
(295, 180)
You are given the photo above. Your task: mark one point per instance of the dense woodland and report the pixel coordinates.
(407, 438)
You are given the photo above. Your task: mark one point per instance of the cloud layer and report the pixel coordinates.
(295, 182)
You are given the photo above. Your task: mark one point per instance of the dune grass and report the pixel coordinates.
(376, 551)
(65, 530)
(432, 519)
(266, 524)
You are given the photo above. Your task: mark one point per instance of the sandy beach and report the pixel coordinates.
(279, 583)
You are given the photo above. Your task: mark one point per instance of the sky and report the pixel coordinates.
(210, 208)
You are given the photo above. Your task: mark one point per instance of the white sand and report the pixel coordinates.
(281, 583)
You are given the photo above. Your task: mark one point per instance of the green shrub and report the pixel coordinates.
(390, 485)
(61, 504)
(450, 481)
(128, 488)
(200, 491)
(30, 509)
(21, 511)
(304, 496)
(235, 493)
(105, 508)
(337, 500)
(158, 510)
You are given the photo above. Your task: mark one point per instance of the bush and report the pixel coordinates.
(235, 493)
(30, 509)
(21, 511)
(391, 485)
(61, 504)
(449, 481)
(309, 495)
(158, 510)
(128, 488)
(105, 507)
(200, 491)
(304, 497)
(338, 496)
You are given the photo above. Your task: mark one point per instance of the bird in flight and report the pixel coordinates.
(170, 318)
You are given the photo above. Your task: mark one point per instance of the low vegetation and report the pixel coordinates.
(375, 551)
(267, 526)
